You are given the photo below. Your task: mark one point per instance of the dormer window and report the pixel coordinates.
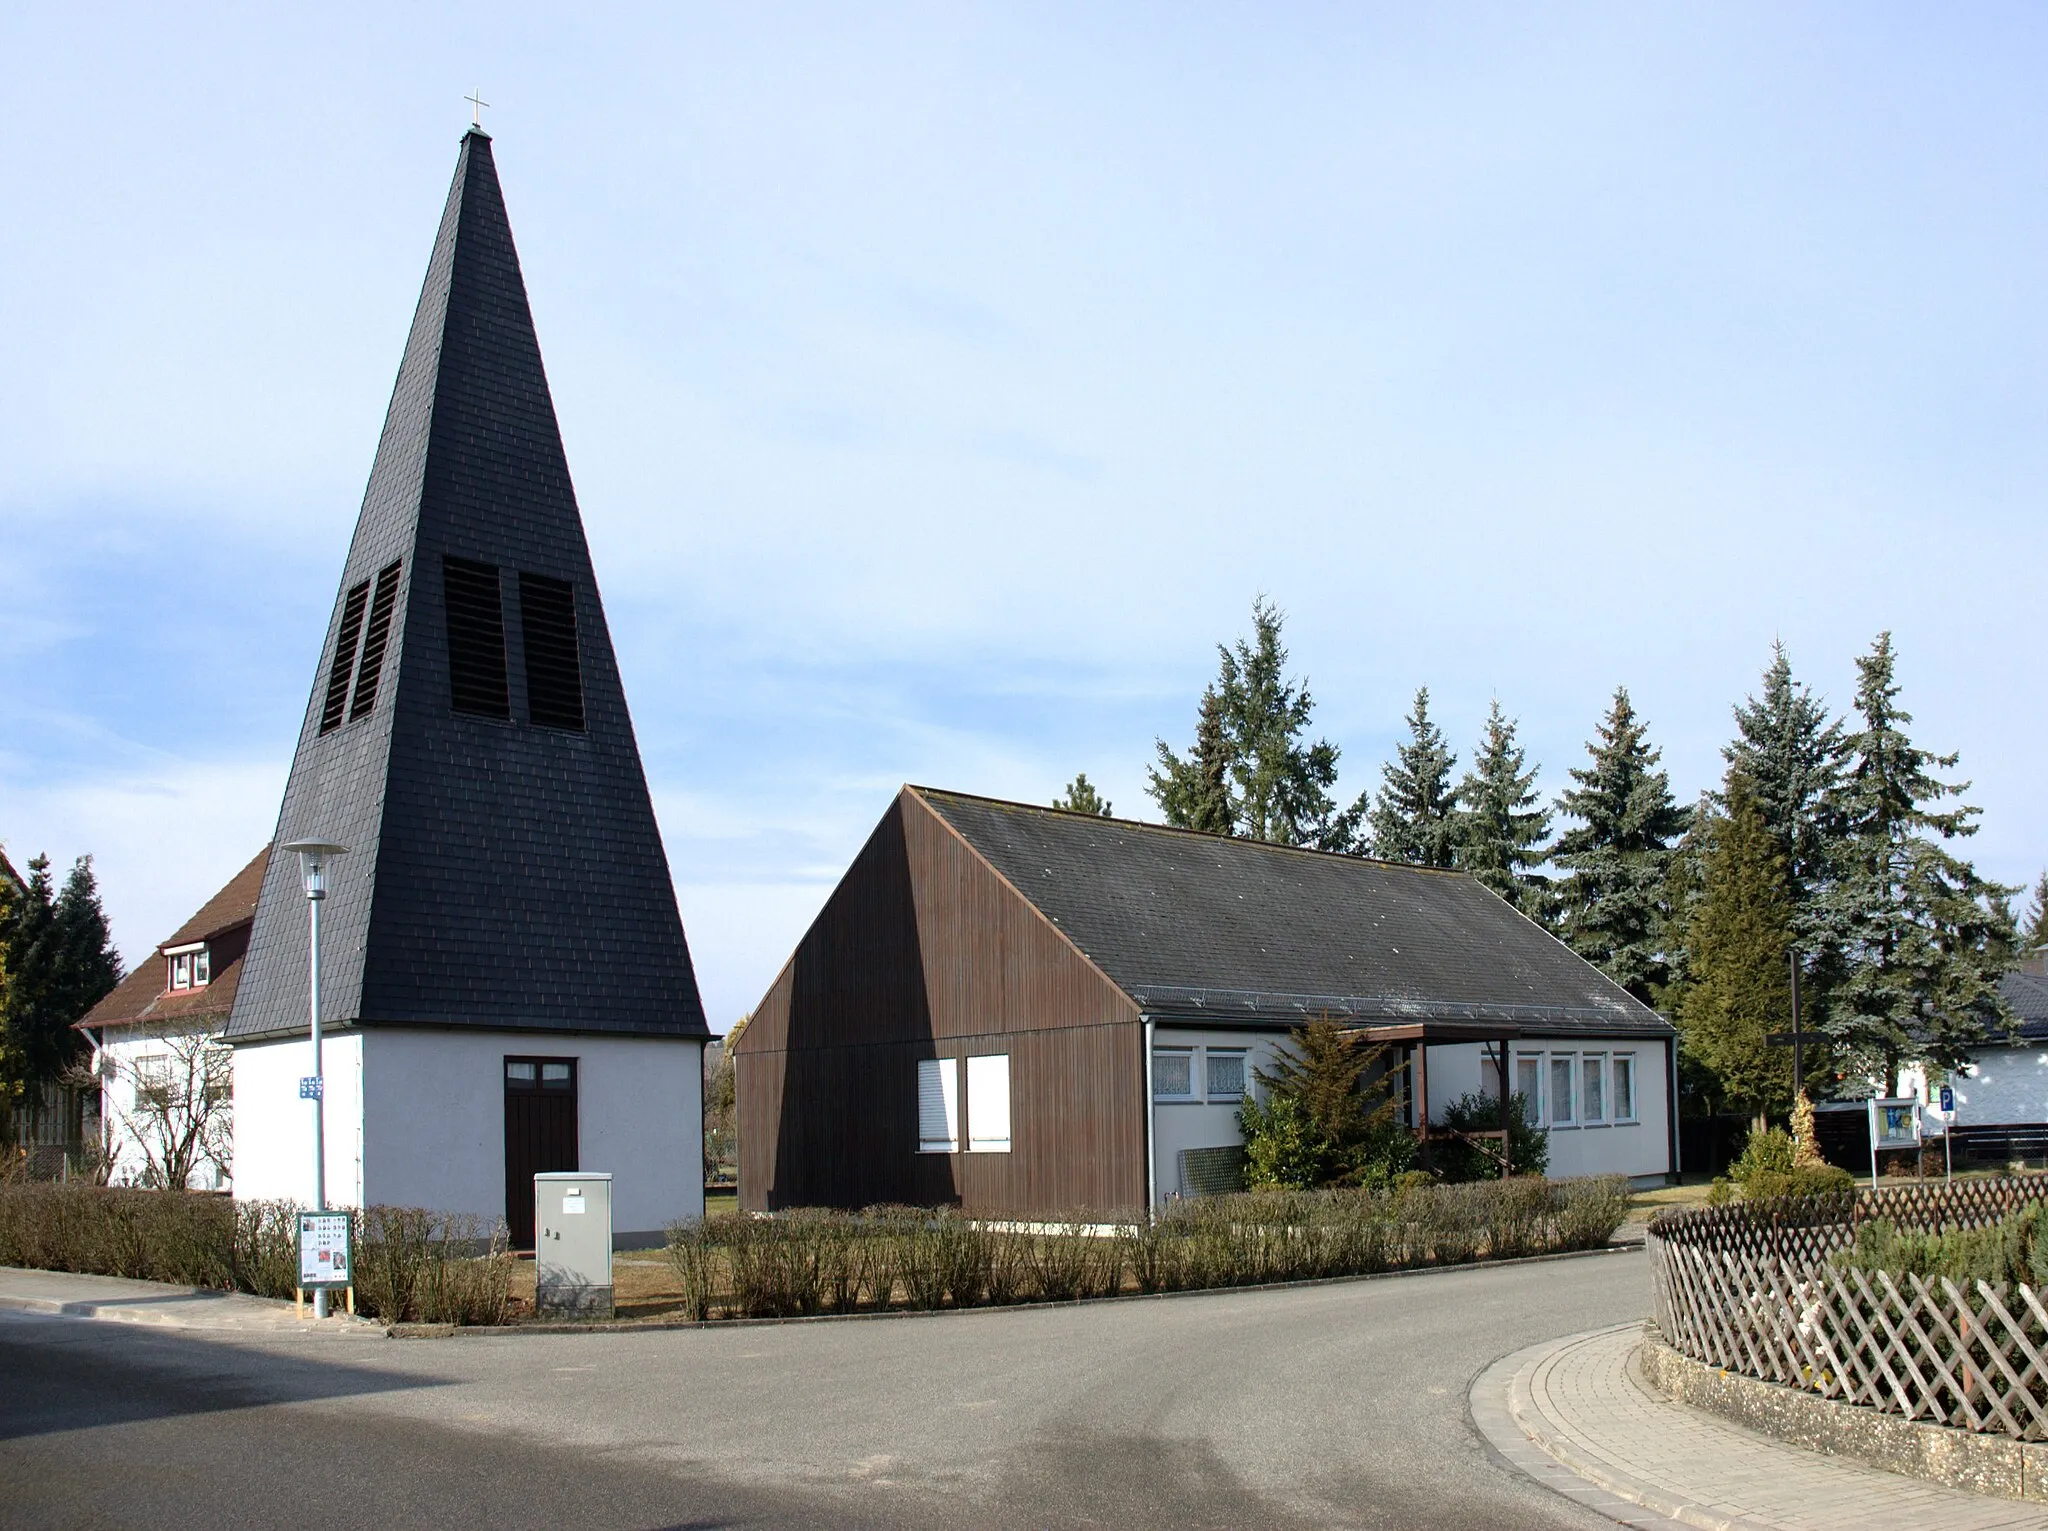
(191, 966)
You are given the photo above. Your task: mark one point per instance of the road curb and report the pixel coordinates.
(1997, 1466)
(1500, 1409)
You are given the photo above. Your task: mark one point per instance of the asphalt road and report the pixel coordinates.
(1339, 1405)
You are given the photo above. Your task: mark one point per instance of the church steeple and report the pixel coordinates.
(467, 734)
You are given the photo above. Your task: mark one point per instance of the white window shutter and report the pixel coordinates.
(988, 1104)
(938, 1105)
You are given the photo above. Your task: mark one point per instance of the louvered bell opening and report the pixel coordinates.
(376, 637)
(554, 678)
(335, 707)
(476, 639)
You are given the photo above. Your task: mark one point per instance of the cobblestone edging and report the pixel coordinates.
(1981, 1464)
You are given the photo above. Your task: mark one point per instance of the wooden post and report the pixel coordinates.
(298, 1302)
(1506, 1111)
(1422, 1098)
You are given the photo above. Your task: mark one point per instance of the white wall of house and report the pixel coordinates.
(1583, 1141)
(435, 1120)
(126, 1053)
(1586, 1141)
(274, 1128)
(1203, 1118)
(2003, 1085)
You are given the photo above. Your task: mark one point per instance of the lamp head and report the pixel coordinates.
(314, 855)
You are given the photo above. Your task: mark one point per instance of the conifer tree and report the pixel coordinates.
(2036, 933)
(61, 962)
(1276, 782)
(1618, 854)
(1790, 753)
(1920, 937)
(1500, 827)
(1736, 991)
(1083, 798)
(1194, 793)
(1412, 817)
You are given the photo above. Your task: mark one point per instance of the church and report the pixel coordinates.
(505, 986)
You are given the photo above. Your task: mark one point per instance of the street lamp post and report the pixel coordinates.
(314, 856)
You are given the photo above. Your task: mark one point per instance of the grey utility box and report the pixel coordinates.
(572, 1246)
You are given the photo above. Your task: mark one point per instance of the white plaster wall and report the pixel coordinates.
(128, 1048)
(435, 1120)
(1201, 1123)
(2002, 1085)
(1638, 1149)
(274, 1128)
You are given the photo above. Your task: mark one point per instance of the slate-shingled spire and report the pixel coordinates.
(505, 871)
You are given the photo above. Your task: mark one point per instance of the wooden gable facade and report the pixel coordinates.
(925, 951)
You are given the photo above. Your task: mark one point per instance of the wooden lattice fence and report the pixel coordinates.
(1752, 1289)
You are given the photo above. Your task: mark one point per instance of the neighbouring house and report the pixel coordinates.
(163, 1107)
(505, 985)
(2002, 1095)
(1026, 1011)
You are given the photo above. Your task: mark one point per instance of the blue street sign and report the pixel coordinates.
(310, 1088)
(1948, 1100)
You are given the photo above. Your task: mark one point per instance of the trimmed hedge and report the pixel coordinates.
(816, 1261)
(411, 1264)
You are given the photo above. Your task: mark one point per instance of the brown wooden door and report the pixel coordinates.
(540, 1133)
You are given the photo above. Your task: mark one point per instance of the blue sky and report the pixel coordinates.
(942, 383)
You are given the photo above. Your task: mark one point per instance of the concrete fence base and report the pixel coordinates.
(1982, 1464)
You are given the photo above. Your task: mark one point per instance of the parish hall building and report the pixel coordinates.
(1031, 1012)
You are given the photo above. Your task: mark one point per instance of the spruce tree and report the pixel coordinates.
(1736, 990)
(1790, 753)
(1921, 939)
(1412, 817)
(1275, 782)
(2036, 932)
(61, 962)
(1194, 792)
(1083, 798)
(1500, 827)
(1612, 905)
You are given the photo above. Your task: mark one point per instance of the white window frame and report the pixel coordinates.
(181, 971)
(1569, 1062)
(1209, 1056)
(1624, 1064)
(1159, 1091)
(1534, 1097)
(988, 1103)
(202, 968)
(1593, 1080)
(938, 1081)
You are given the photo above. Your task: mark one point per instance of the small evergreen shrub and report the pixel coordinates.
(1528, 1147)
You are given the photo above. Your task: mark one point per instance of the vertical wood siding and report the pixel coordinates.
(923, 952)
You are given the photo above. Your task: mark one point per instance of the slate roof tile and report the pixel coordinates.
(1196, 925)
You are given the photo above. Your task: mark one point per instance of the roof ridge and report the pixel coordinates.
(1175, 829)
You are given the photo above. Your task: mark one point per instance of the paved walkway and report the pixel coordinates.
(1577, 1415)
(148, 1302)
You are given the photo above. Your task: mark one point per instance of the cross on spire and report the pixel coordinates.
(476, 107)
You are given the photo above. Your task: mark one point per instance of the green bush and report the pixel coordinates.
(1805, 1180)
(1282, 1150)
(1770, 1151)
(1768, 1170)
(2013, 1250)
(1528, 1147)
